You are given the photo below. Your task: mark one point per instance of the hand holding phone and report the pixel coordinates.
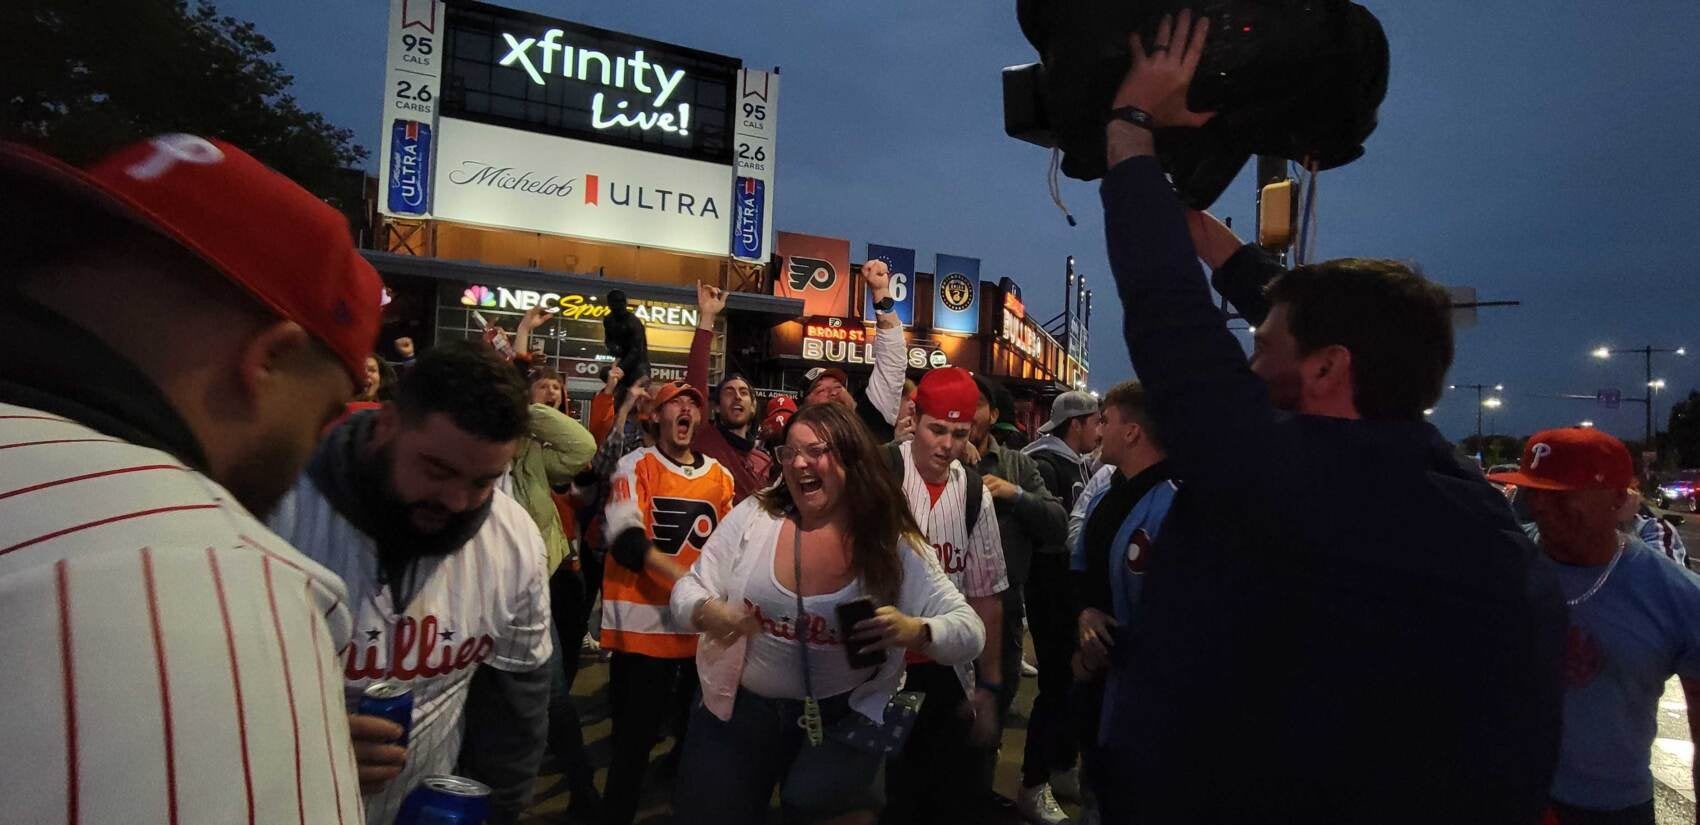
(856, 645)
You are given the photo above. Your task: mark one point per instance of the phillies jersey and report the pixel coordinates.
(971, 557)
(166, 657)
(485, 603)
(678, 507)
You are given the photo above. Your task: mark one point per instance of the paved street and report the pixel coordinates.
(1672, 755)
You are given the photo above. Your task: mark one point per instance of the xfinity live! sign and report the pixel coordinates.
(619, 74)
(525, 71)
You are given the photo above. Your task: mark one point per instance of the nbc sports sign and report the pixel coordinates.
(575, 307)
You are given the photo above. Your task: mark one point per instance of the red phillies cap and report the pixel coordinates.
(779, 412)
(948, 394)
(1572, 458)
(284, 246)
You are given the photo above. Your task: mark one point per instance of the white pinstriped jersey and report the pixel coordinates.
(167, 658)
(486, 603)
(973, 560)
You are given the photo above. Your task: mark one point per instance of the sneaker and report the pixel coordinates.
(1028, 670)
(1066, 784)
(1039, 807)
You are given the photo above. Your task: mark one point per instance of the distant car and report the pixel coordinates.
(1679, 492)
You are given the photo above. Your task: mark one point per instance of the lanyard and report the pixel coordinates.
(811, 719)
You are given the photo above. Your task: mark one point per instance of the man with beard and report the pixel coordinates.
(445, 572)
(177, 325)
(732, 439)
(1362, 579)
(939, 778)
(877, 404)
(1634, 623)
(663, 504)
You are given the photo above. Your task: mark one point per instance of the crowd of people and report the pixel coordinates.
(1256, 589)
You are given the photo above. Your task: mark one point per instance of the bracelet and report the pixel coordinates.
(991, 687)
(1136, 116)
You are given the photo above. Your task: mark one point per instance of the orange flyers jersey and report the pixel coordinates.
(678, 507)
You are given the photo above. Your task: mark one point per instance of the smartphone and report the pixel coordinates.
(849, 614)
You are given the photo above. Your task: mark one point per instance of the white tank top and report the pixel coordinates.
(773, 664)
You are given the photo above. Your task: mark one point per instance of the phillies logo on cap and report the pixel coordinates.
(1536, 453)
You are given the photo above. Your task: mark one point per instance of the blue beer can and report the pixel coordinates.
(445, 800)
(392, 701)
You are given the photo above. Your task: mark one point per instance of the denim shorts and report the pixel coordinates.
(729, 768)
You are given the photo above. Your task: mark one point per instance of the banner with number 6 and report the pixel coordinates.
(902, 264)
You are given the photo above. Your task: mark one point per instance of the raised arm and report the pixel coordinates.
(885, 385)
(1210, 409)
(711, 301)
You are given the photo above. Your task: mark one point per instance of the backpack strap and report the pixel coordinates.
(973, 491)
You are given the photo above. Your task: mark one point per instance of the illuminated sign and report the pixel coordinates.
(575, 307)
(527, 71)
(1022, 335)
(847, 341)
(600, 69)
(518, 179)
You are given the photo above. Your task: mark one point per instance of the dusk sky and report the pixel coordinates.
(1541, 152)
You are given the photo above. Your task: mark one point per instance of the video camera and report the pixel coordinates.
(1299, 79)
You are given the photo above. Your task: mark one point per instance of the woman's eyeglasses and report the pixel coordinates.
(813, 452)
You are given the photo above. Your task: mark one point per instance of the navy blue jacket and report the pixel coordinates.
(1340, 622)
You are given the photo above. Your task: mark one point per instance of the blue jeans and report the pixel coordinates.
(729, 768)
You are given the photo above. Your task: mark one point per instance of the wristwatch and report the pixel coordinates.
(1136, 116)
(885, 304)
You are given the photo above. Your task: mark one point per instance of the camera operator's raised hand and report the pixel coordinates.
(1153, 95)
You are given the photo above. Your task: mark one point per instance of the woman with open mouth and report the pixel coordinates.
(807, 597)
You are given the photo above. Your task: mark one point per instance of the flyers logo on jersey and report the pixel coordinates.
(678, 521)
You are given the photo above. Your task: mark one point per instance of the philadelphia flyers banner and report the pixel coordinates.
(815, 270)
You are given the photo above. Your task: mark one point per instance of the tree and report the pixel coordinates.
(83, 77)
(1500, 449)
(1683, 435)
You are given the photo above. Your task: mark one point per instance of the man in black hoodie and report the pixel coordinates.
(1339, 623)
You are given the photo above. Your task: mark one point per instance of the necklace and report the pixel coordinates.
(1600, 582)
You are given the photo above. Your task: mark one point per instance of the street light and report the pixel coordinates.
(1646, 353)
(1482, 401)
(1587, 425)
(1657, 383)
(1492, 403)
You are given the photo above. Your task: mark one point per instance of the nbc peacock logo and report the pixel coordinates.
(478, 296)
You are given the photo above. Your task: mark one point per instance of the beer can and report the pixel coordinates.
(392, 701)
(445, 800)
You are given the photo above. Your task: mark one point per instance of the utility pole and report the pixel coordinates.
(1481, 403)
(1646, 353)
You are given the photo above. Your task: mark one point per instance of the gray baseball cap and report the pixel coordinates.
(1068, 406)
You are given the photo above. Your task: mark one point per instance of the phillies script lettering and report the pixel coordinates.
(413, 653)
(479, 173)
(952, 558)
(816, 631)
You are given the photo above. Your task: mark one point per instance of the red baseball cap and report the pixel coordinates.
(279, 242)
(778, 414)
(1572, 458)
(674, 389)
(948, 394)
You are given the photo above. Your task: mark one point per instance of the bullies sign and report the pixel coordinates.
(848, 341)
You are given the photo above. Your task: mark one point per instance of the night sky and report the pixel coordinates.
(1541, 152)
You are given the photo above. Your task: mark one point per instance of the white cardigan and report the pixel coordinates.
(730, 560)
